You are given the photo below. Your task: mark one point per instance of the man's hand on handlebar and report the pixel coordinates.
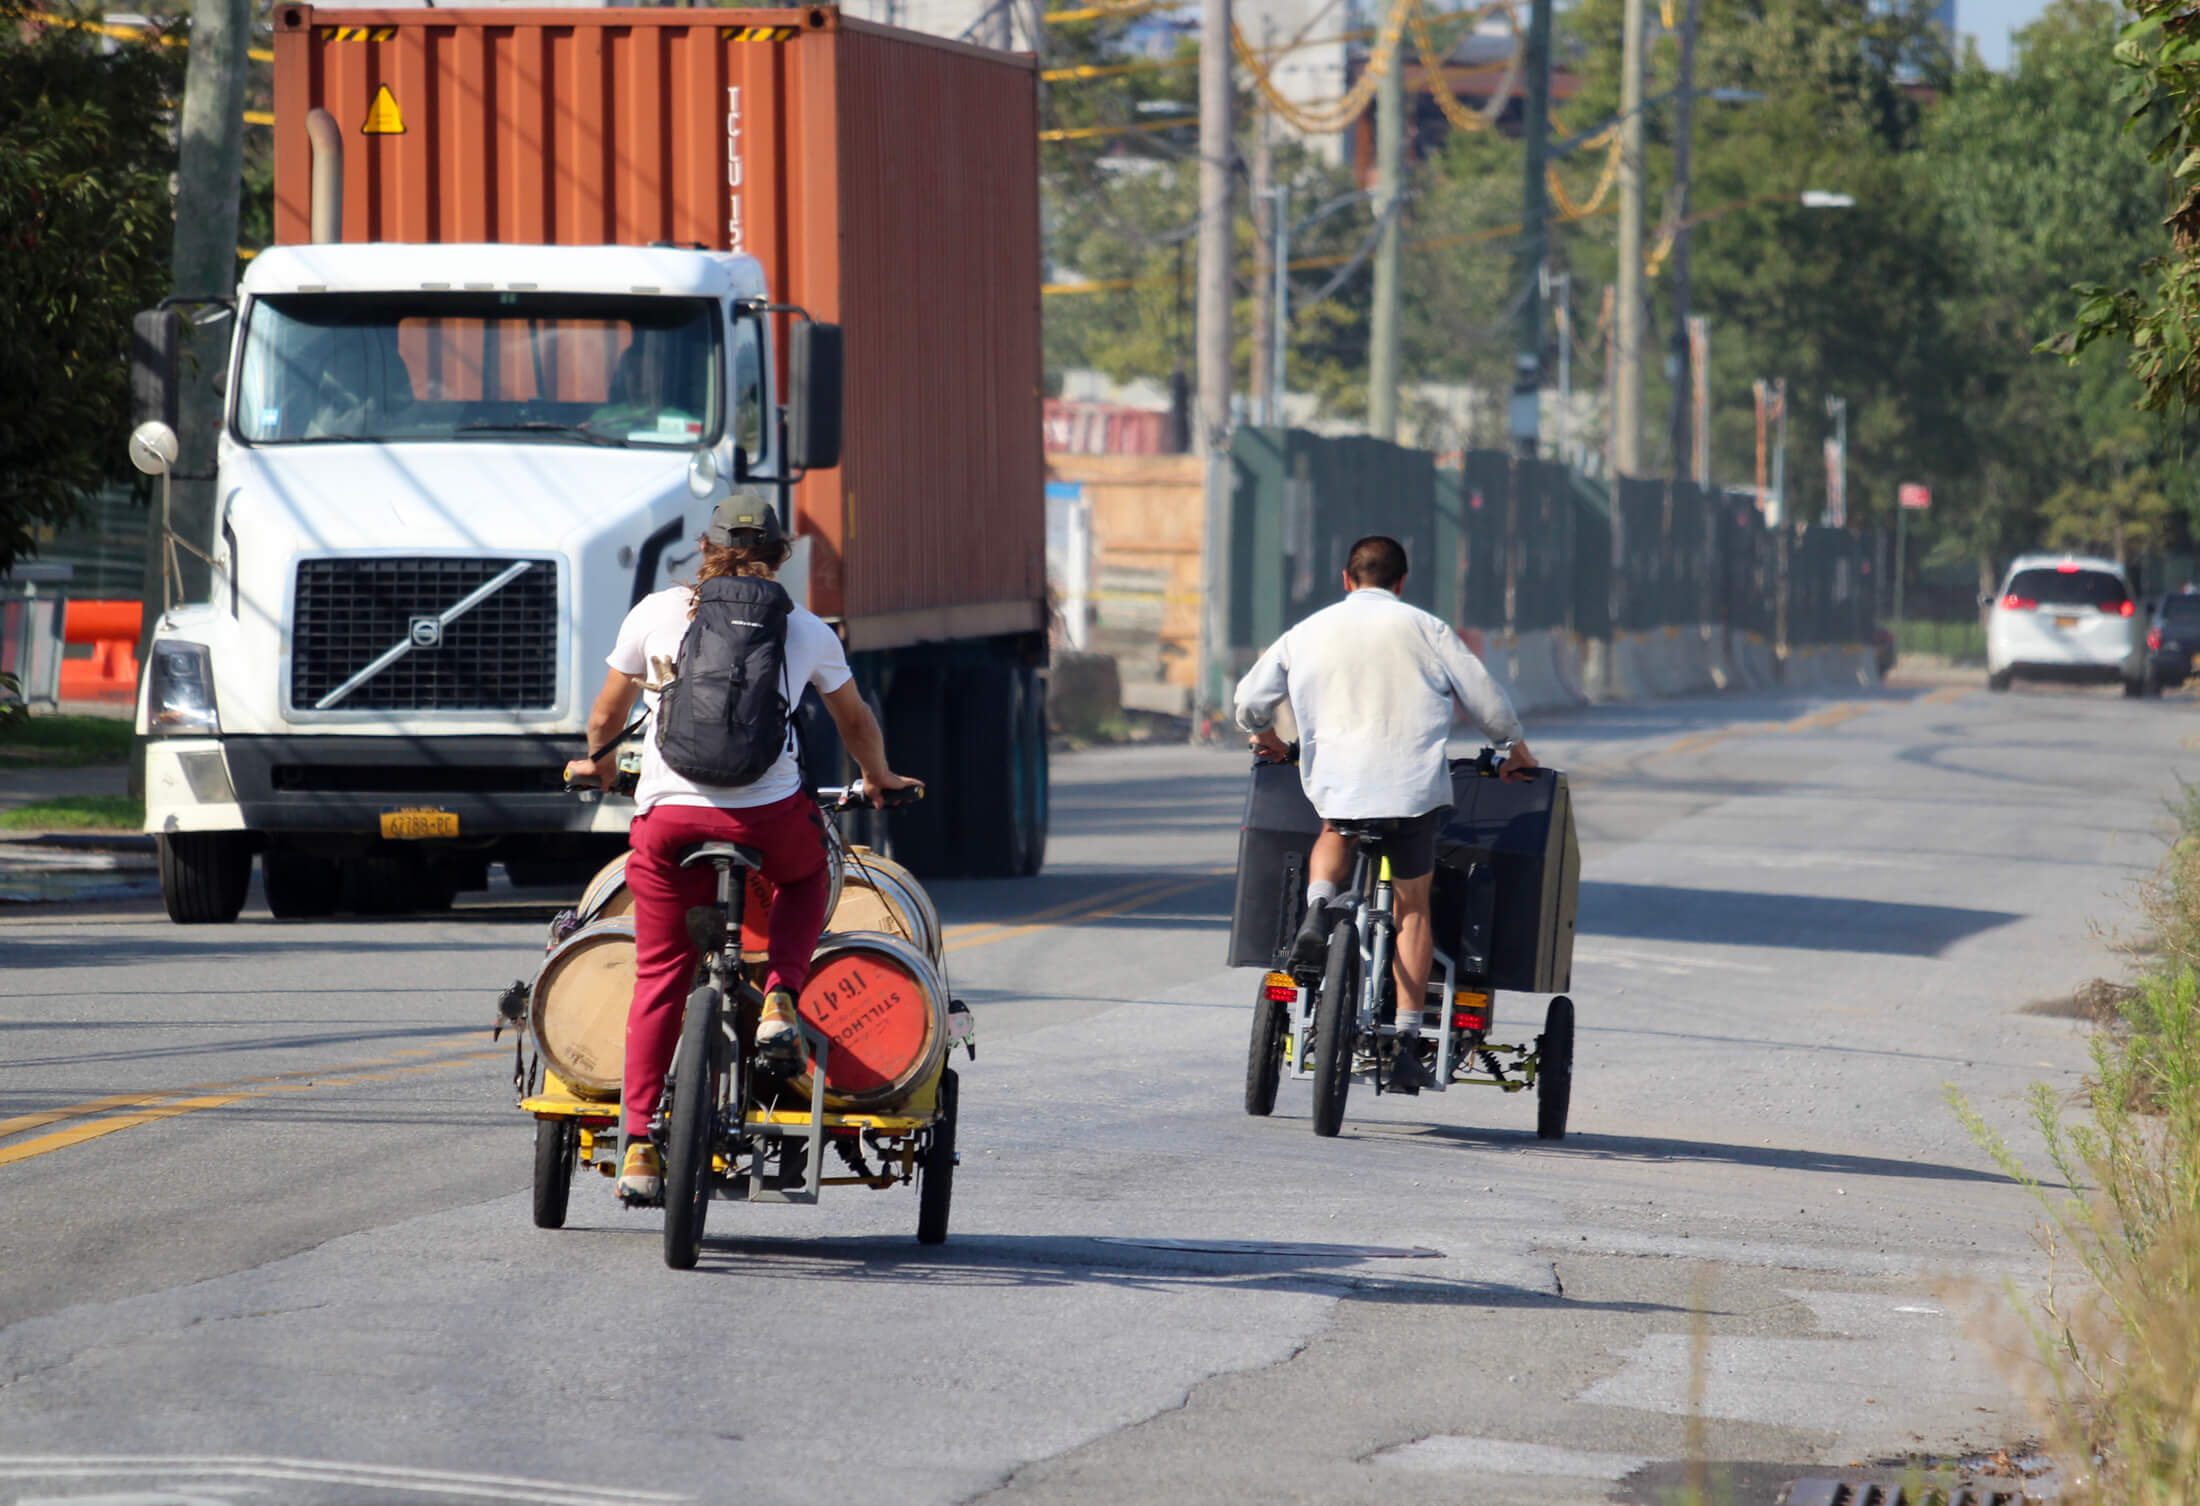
(1269, 748)
(601, 772)
(878, 789)
(1519, 763)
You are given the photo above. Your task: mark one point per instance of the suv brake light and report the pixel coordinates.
(2015, 603)
(2154, 637)
(2120, 608)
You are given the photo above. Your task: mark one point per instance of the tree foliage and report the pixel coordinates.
(84, 229)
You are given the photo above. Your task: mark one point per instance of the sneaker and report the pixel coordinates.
(1311, 945)
(642, 1174)
(779, 1033)
(1408, 1073)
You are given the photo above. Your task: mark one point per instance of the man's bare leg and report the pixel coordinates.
(1415, 946)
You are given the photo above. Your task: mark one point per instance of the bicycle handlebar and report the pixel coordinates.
(841, 797)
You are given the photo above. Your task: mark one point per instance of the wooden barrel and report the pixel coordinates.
(881, 895)
(577, 1013)
(608, 898)
(883, 1005)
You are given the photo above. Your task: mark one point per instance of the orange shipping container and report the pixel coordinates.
(887, 181)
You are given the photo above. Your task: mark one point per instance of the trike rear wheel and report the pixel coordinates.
(696, 1076)
(1264, 1058)
(556, 1142)
(1336, 1028)
(936, 1172)
(1554, 1072)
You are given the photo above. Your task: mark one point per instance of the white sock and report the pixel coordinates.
(1408, 1021)
(1320, 892)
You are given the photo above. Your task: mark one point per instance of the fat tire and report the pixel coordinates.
(299, 885)
(1036, 793)
(1264, 1056)
(1336, 1029)
(204, 875)
(988, 797)
(1554, 1073)
(936, 1172)
(916, 740)
(556, 1142)
(695, 1076)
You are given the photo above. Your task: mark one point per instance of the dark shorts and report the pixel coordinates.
(1408, 841)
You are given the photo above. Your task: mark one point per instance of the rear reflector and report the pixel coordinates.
(1470, 1010)
(1278, 988)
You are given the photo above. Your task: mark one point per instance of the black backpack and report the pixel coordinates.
(723, 719)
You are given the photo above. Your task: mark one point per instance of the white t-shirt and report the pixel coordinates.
(649, 647)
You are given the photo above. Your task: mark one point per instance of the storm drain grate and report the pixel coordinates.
(1876, 1493)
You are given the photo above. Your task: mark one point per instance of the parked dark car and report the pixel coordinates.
(2164, 658)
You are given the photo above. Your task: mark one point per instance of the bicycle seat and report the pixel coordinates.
(1366, 831)
(732, 853)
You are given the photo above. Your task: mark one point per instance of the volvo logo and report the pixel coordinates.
(426, 632)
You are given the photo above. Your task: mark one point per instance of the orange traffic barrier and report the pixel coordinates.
(110, 630)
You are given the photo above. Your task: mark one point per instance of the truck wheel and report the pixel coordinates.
(916, 745)
(1035, 788)
(299, 885)
(204, 875)
(988, 798)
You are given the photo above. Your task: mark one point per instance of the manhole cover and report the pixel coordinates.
(1278, 1247)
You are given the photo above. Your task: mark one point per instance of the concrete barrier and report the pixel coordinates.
(1537, 670)
(1550, 669)
(1084, 694)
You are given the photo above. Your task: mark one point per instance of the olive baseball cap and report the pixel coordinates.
(746, 510)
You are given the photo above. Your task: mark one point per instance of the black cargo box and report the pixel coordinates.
(1507, 881)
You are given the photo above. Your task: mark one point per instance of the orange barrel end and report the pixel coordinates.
(883, 1005)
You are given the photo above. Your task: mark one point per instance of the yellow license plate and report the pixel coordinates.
(2066, 622)
(415, 825)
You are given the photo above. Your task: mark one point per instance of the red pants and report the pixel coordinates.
(790, 835)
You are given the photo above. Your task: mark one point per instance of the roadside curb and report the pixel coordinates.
(59, 867)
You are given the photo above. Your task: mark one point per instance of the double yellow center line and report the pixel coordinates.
(169, 1103)
(95, 1118)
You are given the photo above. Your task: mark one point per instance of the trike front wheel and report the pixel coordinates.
(696, 1075)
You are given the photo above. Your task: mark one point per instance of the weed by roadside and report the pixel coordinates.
(76, 813)
(60, 742)
(2118, 1327)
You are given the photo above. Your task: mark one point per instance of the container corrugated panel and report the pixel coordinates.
(887, 181)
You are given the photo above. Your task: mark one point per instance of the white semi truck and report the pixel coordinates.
(445, 475)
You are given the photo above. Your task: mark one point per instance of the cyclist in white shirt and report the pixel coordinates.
(1372, 682)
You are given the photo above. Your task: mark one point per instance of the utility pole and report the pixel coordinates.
(1535, 134)
(1564, 305)
(1217, 234)
(1265, 209)
(209, 168)
(1390, 162)
(1627, 394)
(1278, 332)
(1684, 124)
(1699, 373)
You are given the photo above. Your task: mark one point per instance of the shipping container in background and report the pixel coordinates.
(887, 181)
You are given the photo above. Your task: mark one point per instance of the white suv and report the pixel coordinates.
(2060, 616)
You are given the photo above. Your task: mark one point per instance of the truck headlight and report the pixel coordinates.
(180, 700)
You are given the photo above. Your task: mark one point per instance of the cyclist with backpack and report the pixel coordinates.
(723, 664)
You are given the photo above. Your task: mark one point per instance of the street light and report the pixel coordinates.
(1819, 198)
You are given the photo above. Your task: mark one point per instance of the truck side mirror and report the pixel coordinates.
(813, 396)
(154, 338)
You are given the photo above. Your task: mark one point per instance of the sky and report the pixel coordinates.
(1992, 21)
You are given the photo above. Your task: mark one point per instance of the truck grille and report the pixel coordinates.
(502, 655)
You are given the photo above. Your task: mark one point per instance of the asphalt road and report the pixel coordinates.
(267, 1232)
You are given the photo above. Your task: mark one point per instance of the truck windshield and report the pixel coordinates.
(549, 367)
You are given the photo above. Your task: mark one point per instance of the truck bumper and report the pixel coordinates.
(495, 786)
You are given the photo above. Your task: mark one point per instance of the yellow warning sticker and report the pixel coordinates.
(383, 116)
(358, 33)
(757, 33)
